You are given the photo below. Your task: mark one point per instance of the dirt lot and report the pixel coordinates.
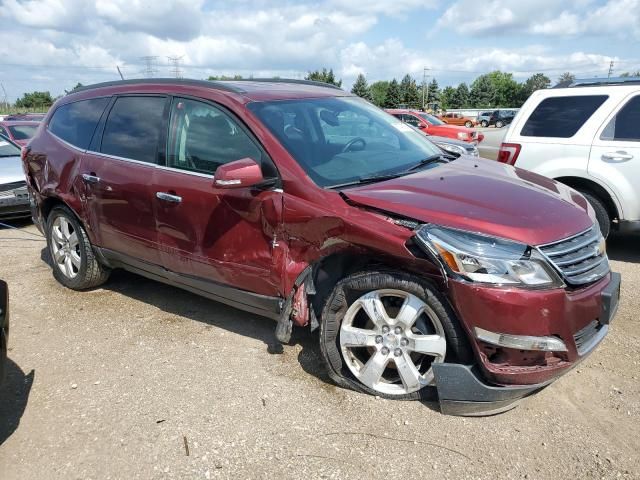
(109, 383)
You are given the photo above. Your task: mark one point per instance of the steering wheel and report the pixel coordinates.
(352, 142)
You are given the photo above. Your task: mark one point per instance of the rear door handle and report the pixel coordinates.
(619, 156)
(90, 178)
(167, 197)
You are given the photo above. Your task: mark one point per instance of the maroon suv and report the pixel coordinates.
(306, 204)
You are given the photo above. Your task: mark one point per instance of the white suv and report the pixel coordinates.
(586, 135)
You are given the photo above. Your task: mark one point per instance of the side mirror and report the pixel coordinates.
(238, 174)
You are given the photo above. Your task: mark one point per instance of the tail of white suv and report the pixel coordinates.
(586, 135)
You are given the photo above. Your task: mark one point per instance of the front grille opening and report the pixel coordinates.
(580, 259)
(501, 357)
(585, 335)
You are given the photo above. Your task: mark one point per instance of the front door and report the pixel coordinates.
(615, 155)
(117, 172)
(207, 234)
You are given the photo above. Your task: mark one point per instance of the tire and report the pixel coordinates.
(73, 260)
(484, 123)
(468, 124)
(602, 214)
(499, 124)
(342, 348)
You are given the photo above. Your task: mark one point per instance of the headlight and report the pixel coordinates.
(489, 260)
(463, 135)
(458, 150)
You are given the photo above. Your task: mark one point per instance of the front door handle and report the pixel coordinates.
(619, 156)
(90, 178)
(167, 197)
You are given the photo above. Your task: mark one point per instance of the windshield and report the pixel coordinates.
(339, 140)
(8, 149)
(431, 119)
(23, 132)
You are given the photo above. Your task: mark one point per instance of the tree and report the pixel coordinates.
(631, 74)
(325, 76)
(214, 78)
(78, 85)
(393, 97)
(361, 88)
(447, 98)
(433, 92)
(409, 91)
(538, 81)
(378, 92)
(461, 97)
(507, 90)
(482, 93)
(566, 77)
(35, 100)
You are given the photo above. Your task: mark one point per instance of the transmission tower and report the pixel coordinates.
(610, 69)
(175, 62)
(150, 66)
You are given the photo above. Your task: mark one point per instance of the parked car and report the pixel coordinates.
(454, 118)
(587, 136)
(14, 196)
(37, 117)
(434, 126)
(500, 118)
(4, 328)
(483, 118)
(19, 131)
(306, 204)
(451, 145)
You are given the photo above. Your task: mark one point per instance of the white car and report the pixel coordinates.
(585, 135)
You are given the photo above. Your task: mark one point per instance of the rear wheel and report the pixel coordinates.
(499, 124)
(468, 124)
(382, 331)
(74, 262)
(602, 214)
(484, 123)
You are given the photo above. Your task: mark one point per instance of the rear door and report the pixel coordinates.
(118, 172)
(615, 155)
(226, 237)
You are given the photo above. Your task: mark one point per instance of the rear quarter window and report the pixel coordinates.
(561, 117)
(75, 122)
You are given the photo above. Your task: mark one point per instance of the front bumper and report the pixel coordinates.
(581, 320)
(14, 204)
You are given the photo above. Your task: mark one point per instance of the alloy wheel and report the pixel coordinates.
(65, 247)
(389, 340)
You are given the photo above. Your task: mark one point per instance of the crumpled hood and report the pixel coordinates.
(11, 170)
(482, 196)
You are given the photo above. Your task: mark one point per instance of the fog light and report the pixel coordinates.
(521, 342)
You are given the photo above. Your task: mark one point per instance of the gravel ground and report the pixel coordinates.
(117, 382)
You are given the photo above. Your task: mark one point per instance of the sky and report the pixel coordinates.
(52, 45)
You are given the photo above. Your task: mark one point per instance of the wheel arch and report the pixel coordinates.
(579, 183)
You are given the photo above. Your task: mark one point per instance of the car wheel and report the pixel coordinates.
(484, 123)
(74, 262)
(468, 124)
(381, 332)
(602, 215)
(499, 124)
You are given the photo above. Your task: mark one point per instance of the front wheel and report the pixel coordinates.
(499, 124)
(468, 124)
(381, 333)
(484, 123)
(602, 215)
(74, 262)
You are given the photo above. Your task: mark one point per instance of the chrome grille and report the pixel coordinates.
(580, 259)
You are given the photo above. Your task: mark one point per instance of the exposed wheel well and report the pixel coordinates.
(595, 189)
(48, 204)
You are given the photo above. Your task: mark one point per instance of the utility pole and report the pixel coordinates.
(425, 91)
(150, 66)
(175, 66)
(120, 73)
(610, 69)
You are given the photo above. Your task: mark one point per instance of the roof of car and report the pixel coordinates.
(252, 89)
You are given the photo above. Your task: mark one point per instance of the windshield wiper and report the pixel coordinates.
(369, 179)
(438, 157)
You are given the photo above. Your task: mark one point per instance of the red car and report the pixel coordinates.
(19, 131)
(434, 126)
(308, 205)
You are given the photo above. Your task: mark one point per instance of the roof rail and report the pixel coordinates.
(592, 82)
(287, 80)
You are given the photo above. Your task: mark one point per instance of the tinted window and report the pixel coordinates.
(203, 137)
(133, 128)
(561, 117)
(626, 124)
(22, 132)
(411, 120)
(76, 122)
